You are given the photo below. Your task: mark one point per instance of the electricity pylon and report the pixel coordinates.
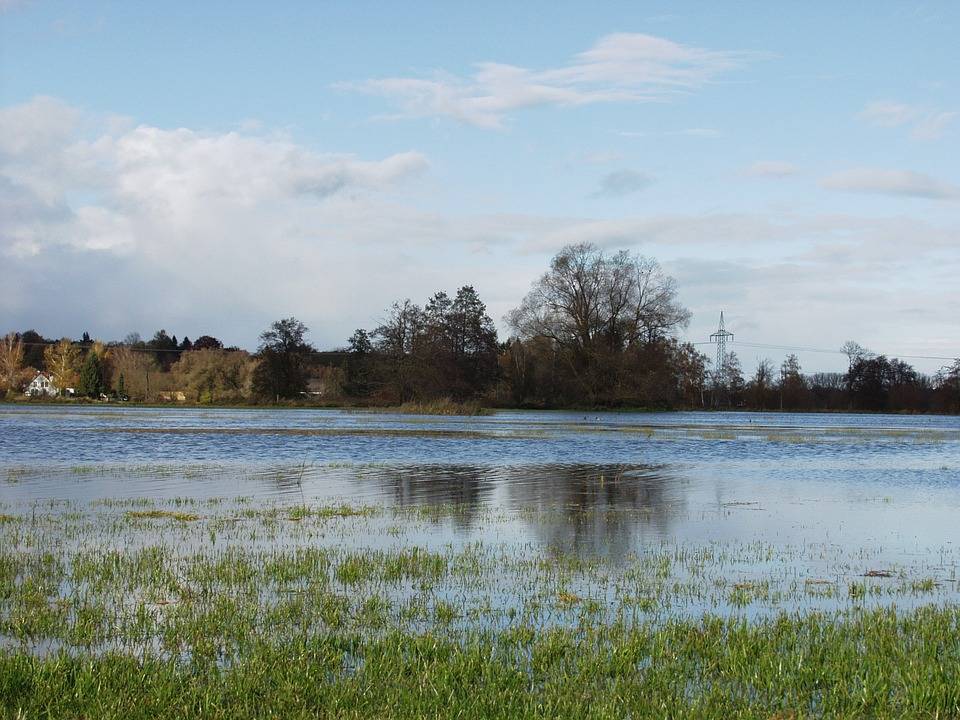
(720, 338)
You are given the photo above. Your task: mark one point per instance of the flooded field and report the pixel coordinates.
(206, 538)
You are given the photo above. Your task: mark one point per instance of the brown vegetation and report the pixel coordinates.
(595, 330)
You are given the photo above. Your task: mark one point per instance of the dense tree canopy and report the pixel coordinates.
(34, 346)
(283, 356)
(213, 375)
(207, 342)
(589, 300)
(447, 348)
(597, 329)
(605, 318)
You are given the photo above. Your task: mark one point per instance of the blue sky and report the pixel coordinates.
(210, 167)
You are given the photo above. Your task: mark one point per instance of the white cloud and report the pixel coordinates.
(933, 126)
(885, 113)
(903, 183)
(118, 189)
(622, 67)
(770, 169)
(924, 123)
(206, 221)
(112, 227)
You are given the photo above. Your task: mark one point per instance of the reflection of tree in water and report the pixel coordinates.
(595, 510)
(465, 486)
(588, 509)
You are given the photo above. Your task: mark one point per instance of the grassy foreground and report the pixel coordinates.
(872, 665)
(143, 609)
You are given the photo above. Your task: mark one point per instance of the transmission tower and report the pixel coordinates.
(720, 338)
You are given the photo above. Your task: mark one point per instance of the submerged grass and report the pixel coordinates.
(252, 611)
(162, 515)
(443, 406)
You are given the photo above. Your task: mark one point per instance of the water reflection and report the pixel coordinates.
(600, 486)
(588, 509)
(597, 510)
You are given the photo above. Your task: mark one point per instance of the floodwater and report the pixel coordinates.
(781, 477)
(837, 494)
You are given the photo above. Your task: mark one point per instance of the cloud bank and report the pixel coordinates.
(621, 67)
(110, 226)
(902, 183)
(924, 123)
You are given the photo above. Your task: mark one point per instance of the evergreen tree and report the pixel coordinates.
(91, 377)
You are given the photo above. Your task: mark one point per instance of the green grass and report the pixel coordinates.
(354, 611)
(877, 664)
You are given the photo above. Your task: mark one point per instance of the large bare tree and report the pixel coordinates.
(589, 300)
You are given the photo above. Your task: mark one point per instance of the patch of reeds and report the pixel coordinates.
(442, 406)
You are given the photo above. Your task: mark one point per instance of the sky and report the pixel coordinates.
(211, 167)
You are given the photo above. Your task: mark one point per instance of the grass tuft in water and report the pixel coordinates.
(162, 515)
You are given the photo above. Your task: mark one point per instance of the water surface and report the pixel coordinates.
(870, 491)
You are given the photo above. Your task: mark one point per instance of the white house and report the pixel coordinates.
(42, 384)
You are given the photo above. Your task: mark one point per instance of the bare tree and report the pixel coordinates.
(854, 351)
(62, 360)
(12, 374)
(762, 383)
(731, 381)
(214, 375)
(396, 339)
(589, 301)
(137, 374)
(792, 383)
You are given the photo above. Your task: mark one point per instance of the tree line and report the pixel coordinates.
(597, 329)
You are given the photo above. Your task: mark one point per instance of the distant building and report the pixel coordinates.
(316, 386)
(172, 396)
(41, 385)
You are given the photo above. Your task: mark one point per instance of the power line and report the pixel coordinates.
(796, 348)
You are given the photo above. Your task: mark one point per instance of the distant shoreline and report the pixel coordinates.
(478, 410)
